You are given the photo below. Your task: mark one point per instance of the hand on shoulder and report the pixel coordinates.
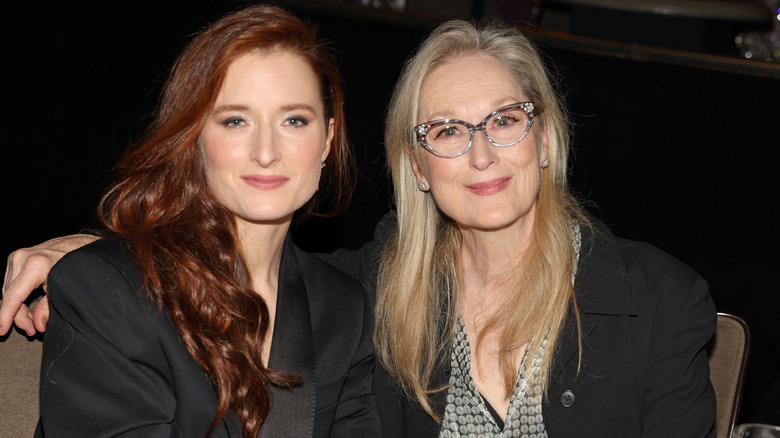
(26, 270)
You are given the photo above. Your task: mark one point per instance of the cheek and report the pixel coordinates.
(211, 166)
(220, 151)
(209, 150)
(440, 173)
(443, 180)
(424, 168)
(308, 162)
(218, 160)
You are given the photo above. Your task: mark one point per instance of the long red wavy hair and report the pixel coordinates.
(185, 241)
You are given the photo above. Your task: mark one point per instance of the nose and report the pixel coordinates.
(481, 154)
(265, 148)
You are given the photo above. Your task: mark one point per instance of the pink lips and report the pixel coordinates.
(265, 182)
(490, 187)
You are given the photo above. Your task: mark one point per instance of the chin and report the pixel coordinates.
(267, 215)
(493, 221)
(484, 224)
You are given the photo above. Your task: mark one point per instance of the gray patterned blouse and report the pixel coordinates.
(467, 414)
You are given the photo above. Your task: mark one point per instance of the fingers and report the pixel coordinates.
(12, 305)
(25, 272)
(41, 314)
(23, 320)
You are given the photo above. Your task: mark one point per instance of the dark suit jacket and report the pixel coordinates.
(645, 317)
(115, 365)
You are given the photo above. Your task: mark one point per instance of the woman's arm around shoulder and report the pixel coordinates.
(26, 270)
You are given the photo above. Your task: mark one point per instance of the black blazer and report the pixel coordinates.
(645, 318)
(113, 365)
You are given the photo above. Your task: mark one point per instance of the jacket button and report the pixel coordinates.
(567, 399)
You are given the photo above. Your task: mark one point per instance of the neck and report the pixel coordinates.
(488, 257)
(261, 247)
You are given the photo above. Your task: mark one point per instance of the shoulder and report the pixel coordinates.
(101, 278)
(603, 246)
(647, 275)
(107, 255)
(647, 264)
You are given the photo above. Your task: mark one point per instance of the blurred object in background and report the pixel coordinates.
(463, 9)
(703, 26)
(398, 5)
(754, 430)
(762, 45)
(519, 12)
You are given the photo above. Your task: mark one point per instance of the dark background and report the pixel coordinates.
(681, 156)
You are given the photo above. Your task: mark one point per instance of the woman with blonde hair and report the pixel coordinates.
(501, 308)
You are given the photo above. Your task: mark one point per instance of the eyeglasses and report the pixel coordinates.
(450, 138)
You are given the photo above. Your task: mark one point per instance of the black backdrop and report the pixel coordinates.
(682, 157)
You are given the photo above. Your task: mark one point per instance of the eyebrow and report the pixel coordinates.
(299, 106)
(450, 114)
(244, 108)
(224, 108)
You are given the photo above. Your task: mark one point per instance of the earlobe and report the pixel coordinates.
(422, 181)
(543, 150)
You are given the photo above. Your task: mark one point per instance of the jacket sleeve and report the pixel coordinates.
(679, 399)
(356, 414)
(99, 376)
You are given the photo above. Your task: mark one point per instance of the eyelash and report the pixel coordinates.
(230, 121)
(303, 121)
(294, 121)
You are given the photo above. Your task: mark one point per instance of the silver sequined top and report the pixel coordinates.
(466, 414)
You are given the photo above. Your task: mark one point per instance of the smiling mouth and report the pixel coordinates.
(265, 182)
(487, 188)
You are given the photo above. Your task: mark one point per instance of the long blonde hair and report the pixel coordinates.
(416, 313)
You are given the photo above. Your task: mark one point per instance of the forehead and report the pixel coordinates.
(275, 75)
(472, 85)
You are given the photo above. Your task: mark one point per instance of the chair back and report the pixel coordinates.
(728, 353)
(20, 367)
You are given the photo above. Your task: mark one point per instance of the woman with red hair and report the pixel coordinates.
(196, 315)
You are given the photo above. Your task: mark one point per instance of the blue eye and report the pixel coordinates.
(233, 122)
(296, 121)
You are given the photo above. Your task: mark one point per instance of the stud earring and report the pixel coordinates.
(545, 163)
(322, 165)
(421, 185)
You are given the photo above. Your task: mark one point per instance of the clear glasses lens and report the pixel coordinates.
(449, 138)
(504, 128)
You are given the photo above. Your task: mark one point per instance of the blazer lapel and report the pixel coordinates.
(292, 352)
